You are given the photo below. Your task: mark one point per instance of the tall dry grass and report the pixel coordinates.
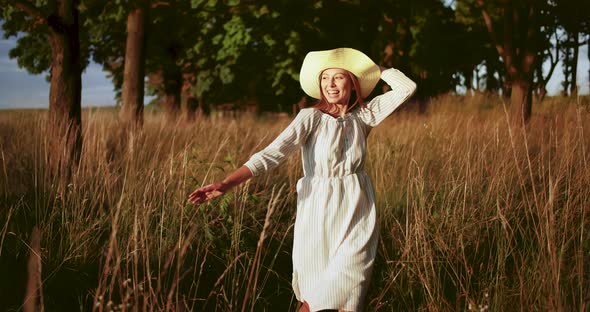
(474, 214)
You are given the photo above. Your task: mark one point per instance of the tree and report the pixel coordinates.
(248, 52)
(134, 71)
(546, 55)
(436, 29)
(153, 47)
(573, 18)
(518, 48)
(421, 38)
(58, 21)
(172, 34)
(121, 53)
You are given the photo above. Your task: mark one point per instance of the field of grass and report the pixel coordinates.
(474, 215)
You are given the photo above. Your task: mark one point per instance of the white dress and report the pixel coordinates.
(335, 235)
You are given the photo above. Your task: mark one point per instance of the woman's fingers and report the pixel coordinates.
(200, 191)
(199, 197)
(204, 194)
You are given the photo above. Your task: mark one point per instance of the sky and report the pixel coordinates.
(18, 89)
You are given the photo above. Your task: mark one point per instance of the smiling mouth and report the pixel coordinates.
(333, 92)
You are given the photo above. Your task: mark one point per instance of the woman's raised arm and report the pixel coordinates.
(383, 105)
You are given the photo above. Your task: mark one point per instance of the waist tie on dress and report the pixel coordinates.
(357, 172)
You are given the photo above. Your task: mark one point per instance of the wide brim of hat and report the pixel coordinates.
(354, 61)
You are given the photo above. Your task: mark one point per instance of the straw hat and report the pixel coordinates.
(356, 62)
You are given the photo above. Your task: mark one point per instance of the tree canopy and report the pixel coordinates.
(241, 51)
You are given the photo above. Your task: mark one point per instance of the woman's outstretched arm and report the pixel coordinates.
(217, 189)
(284, 145)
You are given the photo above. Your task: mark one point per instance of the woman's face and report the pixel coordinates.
(336, 85)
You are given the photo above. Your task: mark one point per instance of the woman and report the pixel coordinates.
(335, 234)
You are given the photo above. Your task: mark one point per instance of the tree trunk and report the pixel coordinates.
(188, 100)
(469, 81)
(171, 104)
(541, 83)
(189, 108)
(202, 108)
(65, 89)
(542, 93)
(521, 101)
(172, 80)
(519, 53)
(566, 69)
(133, 82)
(476, 76)
(507, 92)
(574, 65)
(542, 88)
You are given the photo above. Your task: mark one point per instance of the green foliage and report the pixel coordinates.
(206, 3)
(32, 51)
(235, 39)
(234, 51)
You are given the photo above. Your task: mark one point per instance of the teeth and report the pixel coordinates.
(332, 92)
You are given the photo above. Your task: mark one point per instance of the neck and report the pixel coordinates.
(341, 109)
(336, 110)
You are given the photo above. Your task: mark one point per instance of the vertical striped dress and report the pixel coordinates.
(335, 234)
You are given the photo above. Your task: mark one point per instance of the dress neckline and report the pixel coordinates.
(330, 117)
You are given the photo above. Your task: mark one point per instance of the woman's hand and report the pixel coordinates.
(211, 191)
(207, 193)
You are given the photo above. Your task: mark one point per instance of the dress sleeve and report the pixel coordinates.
(383, 105)
(284, 145)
